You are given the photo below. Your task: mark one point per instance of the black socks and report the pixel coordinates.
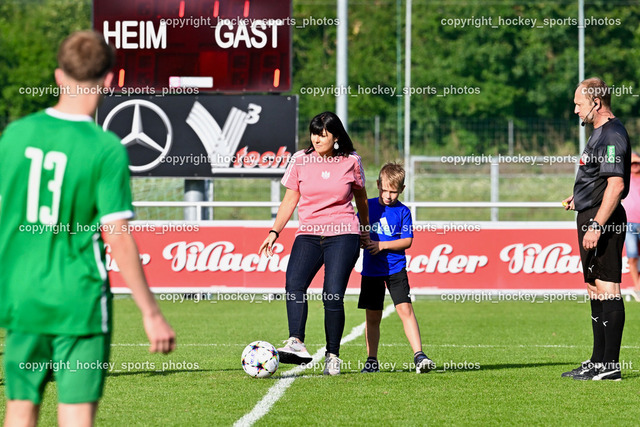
(613, 323)
(598, 331)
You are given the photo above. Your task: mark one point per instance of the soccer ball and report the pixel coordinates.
(260, 359)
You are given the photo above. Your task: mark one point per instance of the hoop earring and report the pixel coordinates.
(336, 145)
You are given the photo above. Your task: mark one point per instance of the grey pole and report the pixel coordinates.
(275, 196)
(495, 189)
(194, 191)
(407, 98)
(342, 63)
(581, 66)
(399, 73)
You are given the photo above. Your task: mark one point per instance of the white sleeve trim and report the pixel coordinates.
(116, 216)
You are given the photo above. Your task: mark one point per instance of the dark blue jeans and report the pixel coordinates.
(338, 254)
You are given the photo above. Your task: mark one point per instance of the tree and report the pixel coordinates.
(30, 33)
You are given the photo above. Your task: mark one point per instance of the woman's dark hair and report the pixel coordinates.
(332, 124)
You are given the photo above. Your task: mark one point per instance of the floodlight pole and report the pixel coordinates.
(407, 100)
(342, 63)
(581, 129)
(399, 119)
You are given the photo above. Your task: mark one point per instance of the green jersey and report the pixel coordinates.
(62, 178)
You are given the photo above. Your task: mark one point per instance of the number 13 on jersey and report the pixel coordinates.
(52, 161)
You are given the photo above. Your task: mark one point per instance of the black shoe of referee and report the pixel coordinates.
(589, 373)
(613, 374)
(584, 366)
(602, 372)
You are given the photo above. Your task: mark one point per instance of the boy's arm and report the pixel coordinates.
(125, 251)
(375, 247)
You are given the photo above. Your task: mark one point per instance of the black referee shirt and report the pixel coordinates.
(607, 153)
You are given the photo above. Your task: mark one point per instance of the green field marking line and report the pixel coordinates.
(277, 390)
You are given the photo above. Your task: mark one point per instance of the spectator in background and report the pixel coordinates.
(632, 207)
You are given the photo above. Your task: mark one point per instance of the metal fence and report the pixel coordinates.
(199, 207)
(379, 139)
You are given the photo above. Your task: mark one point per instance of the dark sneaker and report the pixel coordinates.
(294, 352)
(587, 374)
(583, 366)
(423, 363)
(610, 373)
(371, 365)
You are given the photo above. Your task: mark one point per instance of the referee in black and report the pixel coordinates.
(601, 182)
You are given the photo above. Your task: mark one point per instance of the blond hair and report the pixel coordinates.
(394, 173)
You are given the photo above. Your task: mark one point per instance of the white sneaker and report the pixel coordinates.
(636, 295)
(332, 364)
(294, 352)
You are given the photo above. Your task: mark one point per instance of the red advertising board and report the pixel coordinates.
(191, 257)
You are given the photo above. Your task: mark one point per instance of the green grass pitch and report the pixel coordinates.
(503, 360)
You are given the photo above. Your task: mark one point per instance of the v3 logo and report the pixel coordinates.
(221, 143)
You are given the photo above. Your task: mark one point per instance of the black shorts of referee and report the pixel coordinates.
(605, 261)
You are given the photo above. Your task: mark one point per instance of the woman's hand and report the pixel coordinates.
(267, 245)
(364, 238)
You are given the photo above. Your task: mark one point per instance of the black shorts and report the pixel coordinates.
(605, 261)
(372, 290)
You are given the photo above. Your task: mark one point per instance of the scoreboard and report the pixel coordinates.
(225, 46)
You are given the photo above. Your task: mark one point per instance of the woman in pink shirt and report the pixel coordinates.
(632, 206)
(322, 181)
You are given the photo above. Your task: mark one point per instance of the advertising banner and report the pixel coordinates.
(204, 136)
(191, 256)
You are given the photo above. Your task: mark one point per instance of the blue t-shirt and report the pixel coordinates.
(387, 223)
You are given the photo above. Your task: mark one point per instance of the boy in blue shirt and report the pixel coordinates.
(385, 262)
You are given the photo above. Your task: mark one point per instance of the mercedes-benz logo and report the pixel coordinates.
(137, 135)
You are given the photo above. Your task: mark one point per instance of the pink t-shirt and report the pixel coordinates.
(326, 187)
(631, 203)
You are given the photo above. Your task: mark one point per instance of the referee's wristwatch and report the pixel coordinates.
(593, 225)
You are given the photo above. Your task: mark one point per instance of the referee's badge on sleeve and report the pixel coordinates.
(611, 153)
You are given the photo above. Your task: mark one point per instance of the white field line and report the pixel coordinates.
(278, 389)
(425, 345)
